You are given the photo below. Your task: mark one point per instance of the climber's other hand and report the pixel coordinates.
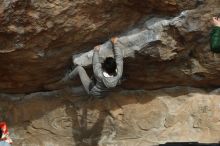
(97, 48)
(216, 21)
(114, 40)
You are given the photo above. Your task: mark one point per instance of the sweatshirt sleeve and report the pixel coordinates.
(215, 39)
(118, 58)
(97, 68)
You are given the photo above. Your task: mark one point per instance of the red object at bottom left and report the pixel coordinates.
(5, 134)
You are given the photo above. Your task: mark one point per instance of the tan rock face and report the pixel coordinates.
(38, 37)
(122, 119)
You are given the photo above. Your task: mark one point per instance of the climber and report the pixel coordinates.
(215, 35)
(106, 75)
(5, 140)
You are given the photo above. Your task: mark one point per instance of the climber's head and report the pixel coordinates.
(109, 65)
(0, 133)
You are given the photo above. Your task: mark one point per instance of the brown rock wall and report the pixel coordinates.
(38, 37)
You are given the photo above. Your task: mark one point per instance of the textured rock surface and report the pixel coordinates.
(38, 37)
(169, 51)
(169, 43)
(127, 118)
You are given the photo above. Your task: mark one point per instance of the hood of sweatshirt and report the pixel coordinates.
(110, 82)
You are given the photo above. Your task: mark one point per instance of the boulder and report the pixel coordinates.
(38, 38)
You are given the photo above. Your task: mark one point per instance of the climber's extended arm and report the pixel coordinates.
(118, 57)
(97, 67)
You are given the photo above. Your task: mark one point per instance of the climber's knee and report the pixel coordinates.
(80, 69)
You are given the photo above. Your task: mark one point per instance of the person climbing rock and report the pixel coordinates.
(215, 35)
(107, 75)
(5, 140)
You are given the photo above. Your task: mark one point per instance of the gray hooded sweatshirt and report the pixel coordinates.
(103, 84)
